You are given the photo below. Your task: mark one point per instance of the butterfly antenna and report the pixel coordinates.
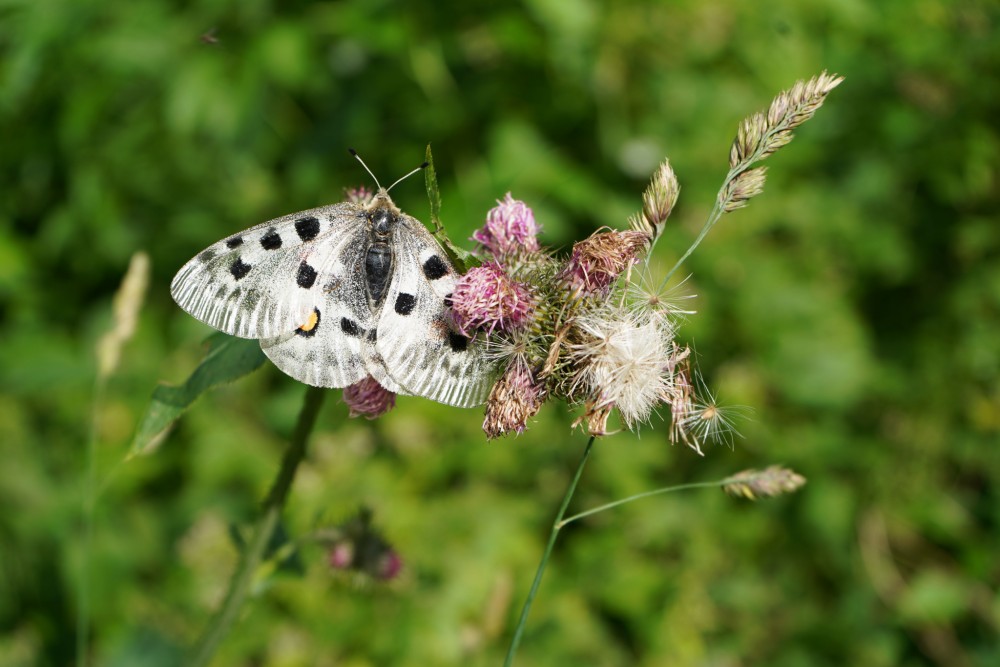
(358, 158)
(423, 166)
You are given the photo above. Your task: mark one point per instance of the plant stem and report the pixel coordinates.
(646, 494)
(556, 526)
(239, 585)
(89, 503)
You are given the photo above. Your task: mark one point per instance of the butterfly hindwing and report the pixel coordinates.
(264, 282)
(326, 350)
(416, 348)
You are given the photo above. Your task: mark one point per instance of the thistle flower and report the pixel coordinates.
(514, 399)
(510, 229)
(367, 398)
(596, 262)
(772, 481)
(488, 299)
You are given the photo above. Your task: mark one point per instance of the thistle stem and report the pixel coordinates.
(557, 525)
(239, 585)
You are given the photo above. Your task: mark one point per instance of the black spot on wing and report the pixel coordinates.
(234, 242)
(239, 269)
(271, 240)
(372, 336)
(350, 327)
(306, 277)
(307, 228)
(447, 300)
(405, 303)
(457, 342)
(435, 268)
(207, 255)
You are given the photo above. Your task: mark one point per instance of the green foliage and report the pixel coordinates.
(855, 305)
(227, 359)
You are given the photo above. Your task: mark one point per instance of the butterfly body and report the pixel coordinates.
(340, 292)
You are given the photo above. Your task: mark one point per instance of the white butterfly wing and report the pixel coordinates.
(416, 348)
(263, 282)
(327, 350)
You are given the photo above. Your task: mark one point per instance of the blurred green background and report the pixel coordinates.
(855, 306)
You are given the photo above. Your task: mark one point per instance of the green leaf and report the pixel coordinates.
(433, 194)
(227, 359)
(461, 258)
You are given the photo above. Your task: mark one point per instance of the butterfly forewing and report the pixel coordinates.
(263, 282)
(416, 347)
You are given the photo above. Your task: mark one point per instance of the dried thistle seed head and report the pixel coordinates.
(514, 399)
(510, 229)
(367, 398)
(772, 481)
(657, 201)
(744, 187)
(596, 416)
(623, 362)
(596, 262)
(488, 299)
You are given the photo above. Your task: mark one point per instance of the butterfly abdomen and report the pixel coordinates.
(378, 270)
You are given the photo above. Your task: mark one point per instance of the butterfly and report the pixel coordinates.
(340, 292)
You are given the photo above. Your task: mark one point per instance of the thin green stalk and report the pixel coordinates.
(239, 586)
(89, 503)
(666, 489)
(556, 526)
(713, 218)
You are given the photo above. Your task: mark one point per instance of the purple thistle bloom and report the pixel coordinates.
(487, 298)
(510, 228)
(367, 398)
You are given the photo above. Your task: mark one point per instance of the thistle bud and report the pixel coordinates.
(367, 398)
